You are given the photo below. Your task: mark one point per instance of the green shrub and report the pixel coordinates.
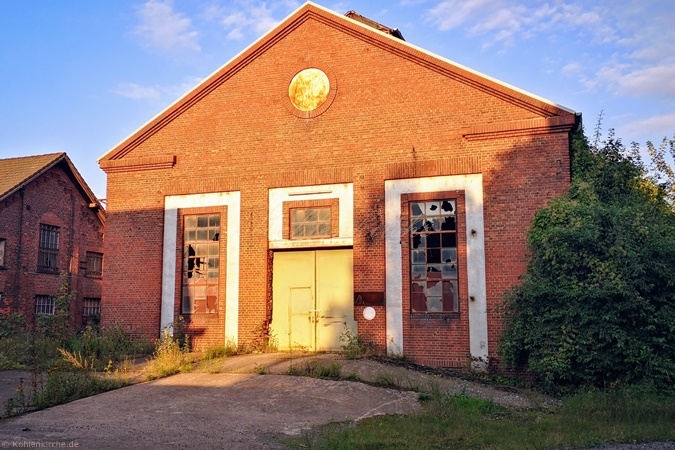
(355, 346)
(169, 358)
(597, 304)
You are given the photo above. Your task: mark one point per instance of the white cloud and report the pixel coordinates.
(654, 80)
(244, 16)
(136, 91)
(450, 14)
(660, 125)
(164, 29)
(503, 21)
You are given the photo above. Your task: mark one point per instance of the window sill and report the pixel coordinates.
(445, 316)
(47, 272)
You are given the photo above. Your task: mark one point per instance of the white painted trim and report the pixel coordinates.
(472, 185)
(277, 196)
(171, 205)
(311, 243)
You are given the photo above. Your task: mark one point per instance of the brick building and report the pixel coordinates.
(333, 176)
(50, 224)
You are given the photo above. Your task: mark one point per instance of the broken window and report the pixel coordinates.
(201, 264)
(2, 252)
(94, 264)
(310, 223)
(92, 307)
(433, 256)
(44, 305)
(49, 248)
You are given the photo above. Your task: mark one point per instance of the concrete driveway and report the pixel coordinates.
(200, 410)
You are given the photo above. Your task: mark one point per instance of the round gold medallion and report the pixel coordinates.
(309, 89)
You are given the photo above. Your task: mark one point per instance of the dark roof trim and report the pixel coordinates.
(371, 23)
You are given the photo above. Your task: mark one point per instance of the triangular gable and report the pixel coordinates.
(17, 173)
(553, 116)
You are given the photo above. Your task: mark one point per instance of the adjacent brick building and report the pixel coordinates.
(333, 177)
(51, 225)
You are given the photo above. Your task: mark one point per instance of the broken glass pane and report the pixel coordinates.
(433, 240)
(433, 208)
(417, 224)
(418, 256)
(448, 223)
(434, 288)
(433, 224)
(449, 240)
(450, 302)
(433, 272)
(434, 255)
(434, 304)
(417, 208)
(449, 271)
(187, 305)
(419, 272)
(419, 299)
(448, 206)
(417, 241)
(449, 255)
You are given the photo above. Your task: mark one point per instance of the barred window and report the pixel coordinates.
(94, 264)
(92, 307)
(433, 256)
(49, 248)
(44, 304)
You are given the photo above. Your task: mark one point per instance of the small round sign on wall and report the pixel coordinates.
(369, 313)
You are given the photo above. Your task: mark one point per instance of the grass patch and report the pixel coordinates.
(456, 421)
(220, 351)
(169, 358)
(315, 368)
(355, 346)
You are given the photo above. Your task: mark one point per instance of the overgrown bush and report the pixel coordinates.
(169, 357)
(597, 304)
(355, 346)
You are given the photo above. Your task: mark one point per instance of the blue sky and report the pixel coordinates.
(79, 75)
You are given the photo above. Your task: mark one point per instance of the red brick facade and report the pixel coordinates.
(54, 196)
(394, 112)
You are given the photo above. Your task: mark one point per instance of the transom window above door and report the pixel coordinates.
(433, 256)
(310, 223)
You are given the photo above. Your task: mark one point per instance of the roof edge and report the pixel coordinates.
(57, 158)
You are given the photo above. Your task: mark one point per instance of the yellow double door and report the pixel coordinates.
(312, 299)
